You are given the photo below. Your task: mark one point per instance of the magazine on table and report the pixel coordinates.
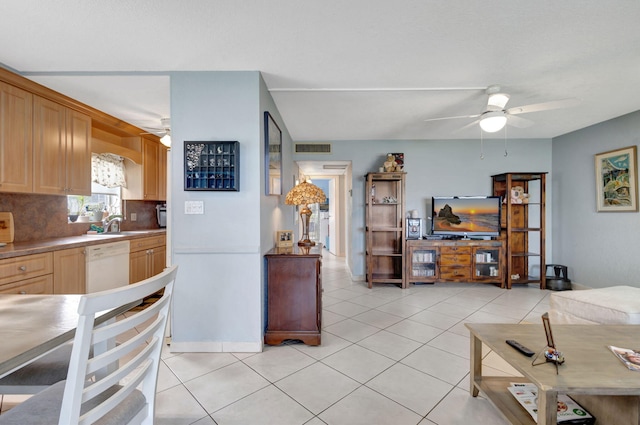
(630, 358)
(569, 412)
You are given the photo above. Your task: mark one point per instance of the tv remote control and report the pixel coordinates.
(524, 350)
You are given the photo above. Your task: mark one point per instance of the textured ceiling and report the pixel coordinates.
(341, 70)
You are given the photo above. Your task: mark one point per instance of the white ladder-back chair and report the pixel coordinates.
(118, 384)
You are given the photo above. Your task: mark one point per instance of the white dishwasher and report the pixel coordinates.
(107, 266)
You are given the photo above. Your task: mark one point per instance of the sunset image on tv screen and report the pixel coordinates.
(462, 215)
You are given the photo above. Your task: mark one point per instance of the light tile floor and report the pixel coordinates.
(388, 356)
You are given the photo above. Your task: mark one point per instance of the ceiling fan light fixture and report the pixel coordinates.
(166, 140)
(498, 100)
(493, 121)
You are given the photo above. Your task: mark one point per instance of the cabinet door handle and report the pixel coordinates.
(22, 268)
(23, 292)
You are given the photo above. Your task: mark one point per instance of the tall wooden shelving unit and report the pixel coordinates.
(523, 227)
(385, 228)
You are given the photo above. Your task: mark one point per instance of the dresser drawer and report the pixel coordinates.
(454, 273)
(34, 286)
(455, 250)
(25, 267)
(455, 259)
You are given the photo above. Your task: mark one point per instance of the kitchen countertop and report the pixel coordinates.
(18, 249)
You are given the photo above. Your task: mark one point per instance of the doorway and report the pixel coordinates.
(330, 221)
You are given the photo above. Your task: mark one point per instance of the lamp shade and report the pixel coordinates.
(493, 121)
(305, 193)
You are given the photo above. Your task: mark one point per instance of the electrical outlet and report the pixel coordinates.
(134, 217)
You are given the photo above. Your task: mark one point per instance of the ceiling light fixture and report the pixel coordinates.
(166, 139)
(493, 121)
(166, 125)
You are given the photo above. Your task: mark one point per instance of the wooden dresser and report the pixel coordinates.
(294, 295)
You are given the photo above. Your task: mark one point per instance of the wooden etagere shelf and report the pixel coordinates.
(385, 228)
(523, 227)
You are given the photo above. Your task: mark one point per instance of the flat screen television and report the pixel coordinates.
(466, 216)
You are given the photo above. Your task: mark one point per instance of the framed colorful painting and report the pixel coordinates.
(617, 180)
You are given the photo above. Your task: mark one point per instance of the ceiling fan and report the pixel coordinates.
(495, 117)
(164, 133)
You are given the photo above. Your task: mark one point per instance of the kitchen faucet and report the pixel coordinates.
(108, 223)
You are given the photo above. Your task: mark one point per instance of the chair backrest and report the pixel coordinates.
(117, 369)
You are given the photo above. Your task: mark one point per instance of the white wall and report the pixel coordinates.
(217, 300)
(274, 215)
(450, 167)
(600, 248)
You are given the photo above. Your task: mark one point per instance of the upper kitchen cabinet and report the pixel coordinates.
(148, 181)
(62, 149)
(16, 143)
(46, 140)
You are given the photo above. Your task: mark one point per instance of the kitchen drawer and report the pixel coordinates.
(453, 273)
(455, 250)
(33, 286)
(147, 243)
(25, 267)
(455, 259)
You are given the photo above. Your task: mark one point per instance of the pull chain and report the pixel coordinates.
(481, 145)
(505, 142)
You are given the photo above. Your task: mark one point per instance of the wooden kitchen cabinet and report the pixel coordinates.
(294, 295)
(62, 149)
(28, 274)
(151, 169)
(148, 180)
(162, 172)
(69, 271)
(16, 139)
(147, 257)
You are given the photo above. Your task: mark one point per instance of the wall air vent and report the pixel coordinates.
(313, 148)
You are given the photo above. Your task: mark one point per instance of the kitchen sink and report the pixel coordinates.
(105, 235)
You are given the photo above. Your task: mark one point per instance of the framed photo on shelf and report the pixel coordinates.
(272, 155)
(284, 238)
(617, 180)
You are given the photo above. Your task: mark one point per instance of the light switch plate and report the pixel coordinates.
(194, 207)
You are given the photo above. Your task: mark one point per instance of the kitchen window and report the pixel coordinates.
(107, 180)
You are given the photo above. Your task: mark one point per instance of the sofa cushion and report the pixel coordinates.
(612, 305)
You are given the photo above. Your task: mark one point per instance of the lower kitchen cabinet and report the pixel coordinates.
(28, 274)
(294, 295)
(147, 257)
(69, 271)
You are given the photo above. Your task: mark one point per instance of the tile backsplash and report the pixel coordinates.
(45, 216)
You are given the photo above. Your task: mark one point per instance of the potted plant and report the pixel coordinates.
(74, 207)
(95, 211)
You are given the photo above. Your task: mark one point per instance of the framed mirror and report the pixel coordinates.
(273, 155)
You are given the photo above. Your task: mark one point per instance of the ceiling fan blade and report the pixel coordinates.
(452, 118)
(471, 124)
(518, 122)
(537, 107)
